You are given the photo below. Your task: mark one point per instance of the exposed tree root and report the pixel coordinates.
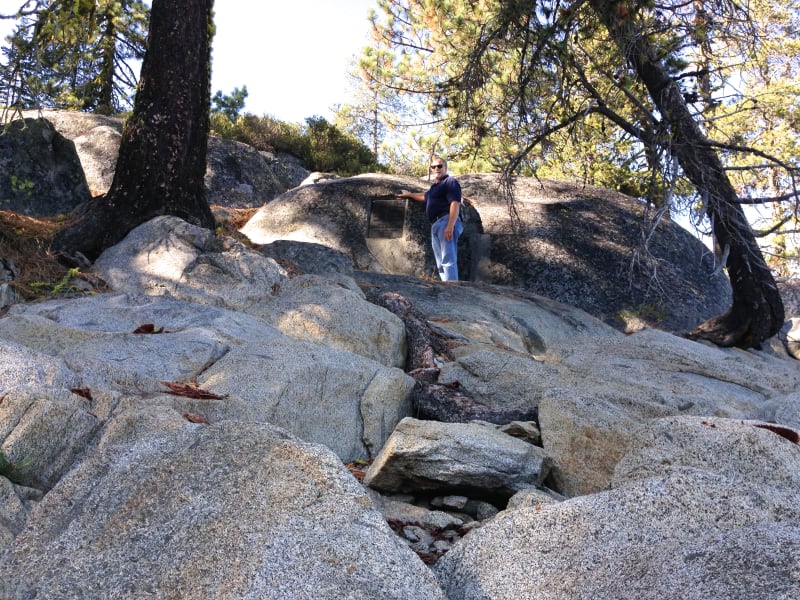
(425, 346)
(451, 404)
(431, 400)
(747, 324)
(724, 331)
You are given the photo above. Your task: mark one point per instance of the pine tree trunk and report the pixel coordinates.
(108, 50)
(757, 309)
(162, 157)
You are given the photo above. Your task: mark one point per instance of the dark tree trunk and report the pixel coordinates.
(757, 309)
(108, 50)
(162, 157)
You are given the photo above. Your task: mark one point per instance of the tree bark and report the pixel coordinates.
(162, 156)
(451, 404)
(431, 400)
(424, 345)
(108, 51)
(757, 311)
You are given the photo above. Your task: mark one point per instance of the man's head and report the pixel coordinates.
(438, 167)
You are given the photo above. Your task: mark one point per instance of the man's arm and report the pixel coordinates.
(418, 196)
(454, 195)
(455, 207)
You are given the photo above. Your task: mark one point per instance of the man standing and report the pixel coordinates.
(442, 206)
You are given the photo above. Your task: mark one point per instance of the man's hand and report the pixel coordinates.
(419, 197)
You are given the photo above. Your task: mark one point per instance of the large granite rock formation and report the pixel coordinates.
(177, 438)
(237, 175)
(574, 243)
(570, 242)
(581, 245)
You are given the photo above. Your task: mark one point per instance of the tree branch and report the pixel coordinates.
(767, 200)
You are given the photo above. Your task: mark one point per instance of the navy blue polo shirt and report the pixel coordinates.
(439, 197)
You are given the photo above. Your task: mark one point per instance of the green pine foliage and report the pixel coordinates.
(229, 105)
(74, 54)
(319, 144)
(541, 89)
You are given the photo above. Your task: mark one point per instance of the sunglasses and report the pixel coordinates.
(437, 166)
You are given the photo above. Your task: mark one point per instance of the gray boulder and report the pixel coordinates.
(591, 384)
(701, 508)
(157, 425)
(73, 124)
(16, 501)
(246, 368)
(572, 243)
(8, 273)
(790, 294)
(788, 411)
(237, 175)
(23, 366)
(362, 218)
(496, 319)
(40, 174)
(289, 169)
(749, 452)
(8, 296)
(317, 177)
(533, 497)
(167, 256)
(586, 435)
(590, 414)
(453, 457)
(98, 149)
(337, 314)
(233, 510)
(579, 244)
(308, 257)
(791, 336)
(43, 432)
(689, 535)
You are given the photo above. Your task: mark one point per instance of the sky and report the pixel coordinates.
(292, 56)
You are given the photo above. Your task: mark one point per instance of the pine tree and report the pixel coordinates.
(627, 92)
(162, 156)
(74, 55)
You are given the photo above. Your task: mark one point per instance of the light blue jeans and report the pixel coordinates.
(446, 253)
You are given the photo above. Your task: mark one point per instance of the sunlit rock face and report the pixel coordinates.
(570, 242)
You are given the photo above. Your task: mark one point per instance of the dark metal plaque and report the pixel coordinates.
(386, 218)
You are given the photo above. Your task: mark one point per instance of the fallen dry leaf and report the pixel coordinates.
(190, 389)
(82, 392)
(358, 468)
(195, 418)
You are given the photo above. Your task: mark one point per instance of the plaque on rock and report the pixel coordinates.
(386, 218)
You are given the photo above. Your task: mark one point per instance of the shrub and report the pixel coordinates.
(320, 145)
(10, 471)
